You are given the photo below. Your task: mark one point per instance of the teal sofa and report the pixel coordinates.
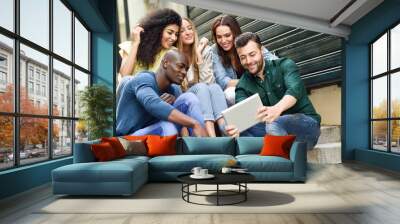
(125, 176)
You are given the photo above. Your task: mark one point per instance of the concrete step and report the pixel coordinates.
(327, 153)
(329, 134)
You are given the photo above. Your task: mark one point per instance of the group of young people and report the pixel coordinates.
(173, 83)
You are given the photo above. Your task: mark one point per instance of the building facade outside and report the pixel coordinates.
(34, 82)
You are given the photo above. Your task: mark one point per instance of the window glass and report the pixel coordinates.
(81, 81)
(81, 45)
(34, 78)
(7, 14)
(62, 138)
(6, 74)
(34, 145)
(379, 135)
(395, 136)
(395, 95)
(379, 97)
(81, 131)
(39, 62)
(35, 21)
(395, 47)
(6, 142)
(62, 29)
(62, 91)
(379, 56)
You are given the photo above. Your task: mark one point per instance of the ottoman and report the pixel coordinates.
(118, 177)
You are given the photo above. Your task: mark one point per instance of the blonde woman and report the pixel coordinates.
(200, 78)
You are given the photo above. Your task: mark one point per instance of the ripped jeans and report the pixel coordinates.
(304, 127)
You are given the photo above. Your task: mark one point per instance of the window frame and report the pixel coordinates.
(16, 115)
(388, 74)
(3, 70)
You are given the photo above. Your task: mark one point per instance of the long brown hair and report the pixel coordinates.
(234, 61)
(193, 60)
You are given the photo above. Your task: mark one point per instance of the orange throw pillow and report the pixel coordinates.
(103, 152)
(277, 145)
(135, 138)
(161, 145)
(116, 145)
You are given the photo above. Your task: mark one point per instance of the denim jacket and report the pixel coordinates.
(224, 74)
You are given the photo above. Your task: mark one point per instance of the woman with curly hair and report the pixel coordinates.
(200, 78)
(226, 62)
(150, 40)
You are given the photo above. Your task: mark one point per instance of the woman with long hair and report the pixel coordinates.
(226, 62)
(156, 33)
(200, 78)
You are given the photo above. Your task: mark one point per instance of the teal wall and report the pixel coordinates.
(102, 59)
(24, 178)
(356, 92)
(99, 16)
(103, 48)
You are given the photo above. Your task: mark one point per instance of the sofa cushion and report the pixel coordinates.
(134, 147)
(185, 163)
(196, 145)
(161, 145)
(131, 158)
(249, 145)
(112, 171)
(83, 152)
(277, 145)
(103, 152)
(116, 145)
(257, 163)
(134, 138)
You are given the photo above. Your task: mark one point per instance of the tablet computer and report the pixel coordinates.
(243, 114)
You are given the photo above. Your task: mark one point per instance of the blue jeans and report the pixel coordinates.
(304, 127)
(212, 100)
(186, 103)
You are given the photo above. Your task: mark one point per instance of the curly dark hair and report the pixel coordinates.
(150, 40)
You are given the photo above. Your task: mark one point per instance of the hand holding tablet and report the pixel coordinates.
(243, 115)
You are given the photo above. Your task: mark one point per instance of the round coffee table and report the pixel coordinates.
(238, 179)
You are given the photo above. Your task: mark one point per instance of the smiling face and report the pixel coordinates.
(187, 33)
(176, 66)
(224, 37)
(169, 36)
(251, 57)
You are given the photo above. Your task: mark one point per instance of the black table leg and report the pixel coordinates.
(217, 194)
(188, 189)
(245, 193)
(182, 190)
(185, 188)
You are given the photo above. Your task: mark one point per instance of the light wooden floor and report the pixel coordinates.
(378, 188)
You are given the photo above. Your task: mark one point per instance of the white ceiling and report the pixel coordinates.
(316, 15)
(320, 9)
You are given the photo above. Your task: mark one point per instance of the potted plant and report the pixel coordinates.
(96, 103)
